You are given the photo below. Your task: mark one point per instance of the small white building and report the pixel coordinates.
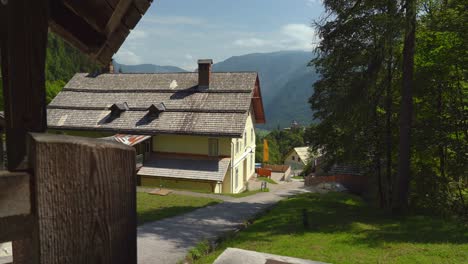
(297, 158)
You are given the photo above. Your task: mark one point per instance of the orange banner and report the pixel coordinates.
(265, 151)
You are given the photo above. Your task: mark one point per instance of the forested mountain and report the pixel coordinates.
(286, 83)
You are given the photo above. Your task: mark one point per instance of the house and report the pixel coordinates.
(297, 158)
(197, 127)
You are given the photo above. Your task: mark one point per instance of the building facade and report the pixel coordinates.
(198, 127)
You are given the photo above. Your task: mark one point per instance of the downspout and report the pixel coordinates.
(232, 168)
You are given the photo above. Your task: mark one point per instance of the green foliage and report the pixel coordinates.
(344, 229)
(280, 142)
(62, 62)
(200, 250)
(265, 179)
(360, 61)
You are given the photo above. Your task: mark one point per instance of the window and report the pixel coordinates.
(238, 146)
(213, 147)
(236, 180)
(293, 158)
(298, 159)
(245, 139)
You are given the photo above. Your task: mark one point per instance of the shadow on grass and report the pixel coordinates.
(165, 212)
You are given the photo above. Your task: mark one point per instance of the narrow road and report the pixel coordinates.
(168, 241)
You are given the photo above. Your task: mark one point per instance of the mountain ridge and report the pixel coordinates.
(285, 78)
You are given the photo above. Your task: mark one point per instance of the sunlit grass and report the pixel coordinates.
(343, 229)
(154, 207)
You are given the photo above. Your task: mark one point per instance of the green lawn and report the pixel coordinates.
(155, 207)
(269, 180)
(342, 229)
(297, 177)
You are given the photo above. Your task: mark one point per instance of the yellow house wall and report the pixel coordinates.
(243, 158)
(201, 186)
(189, 144)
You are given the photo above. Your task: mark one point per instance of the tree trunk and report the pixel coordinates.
(406, 109)
(388, 131)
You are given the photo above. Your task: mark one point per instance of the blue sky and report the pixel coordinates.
(178, 32)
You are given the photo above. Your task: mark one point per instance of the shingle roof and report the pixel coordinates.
(220, 110)
(195, 169)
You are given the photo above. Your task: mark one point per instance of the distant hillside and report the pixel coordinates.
(286, 83)
(145, 68)
(285, 79)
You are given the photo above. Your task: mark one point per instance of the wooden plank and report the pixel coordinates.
(15, 227)
(15, 198)
(105, 55)
(86, 200)
(74, 29)
(95, 13)
(132, 17)
(117, 38)
(116, 18)
(142, 5)
(23, 65)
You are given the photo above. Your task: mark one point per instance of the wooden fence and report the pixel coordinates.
(277, 168)
(354, 183)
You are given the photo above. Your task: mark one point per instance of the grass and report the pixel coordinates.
(266, 179)
(297, 177)
(343, 229)
(245, 193)
(154, 207)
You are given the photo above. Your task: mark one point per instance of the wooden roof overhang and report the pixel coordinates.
(257, 104)
(96, 27)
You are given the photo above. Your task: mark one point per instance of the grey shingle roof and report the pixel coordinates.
(220, 110)
(195, 169)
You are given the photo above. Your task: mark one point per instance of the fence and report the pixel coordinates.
(354, 183)
(277, 168)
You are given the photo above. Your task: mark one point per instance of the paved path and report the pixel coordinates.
(167, 241)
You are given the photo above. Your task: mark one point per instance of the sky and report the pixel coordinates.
(179, 32)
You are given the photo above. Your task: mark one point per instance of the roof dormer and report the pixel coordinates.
(118, 108)
(155, 110)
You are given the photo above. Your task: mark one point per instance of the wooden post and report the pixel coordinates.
(23, 43)
(85, 202)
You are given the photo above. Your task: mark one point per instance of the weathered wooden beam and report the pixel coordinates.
(85, 202)
(116, 18)
(15, 198)
(15, 227)
(142, 5)
(95, 13)
(23, 47)
(74, 29)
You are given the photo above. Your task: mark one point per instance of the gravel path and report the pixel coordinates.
(167, 241)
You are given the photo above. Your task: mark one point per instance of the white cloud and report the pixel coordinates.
(313, 3)
(137, 34)
(298, 36)
(125, 56)
(251, 42)
(174, 20)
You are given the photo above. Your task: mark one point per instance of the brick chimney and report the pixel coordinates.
(204, 73)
